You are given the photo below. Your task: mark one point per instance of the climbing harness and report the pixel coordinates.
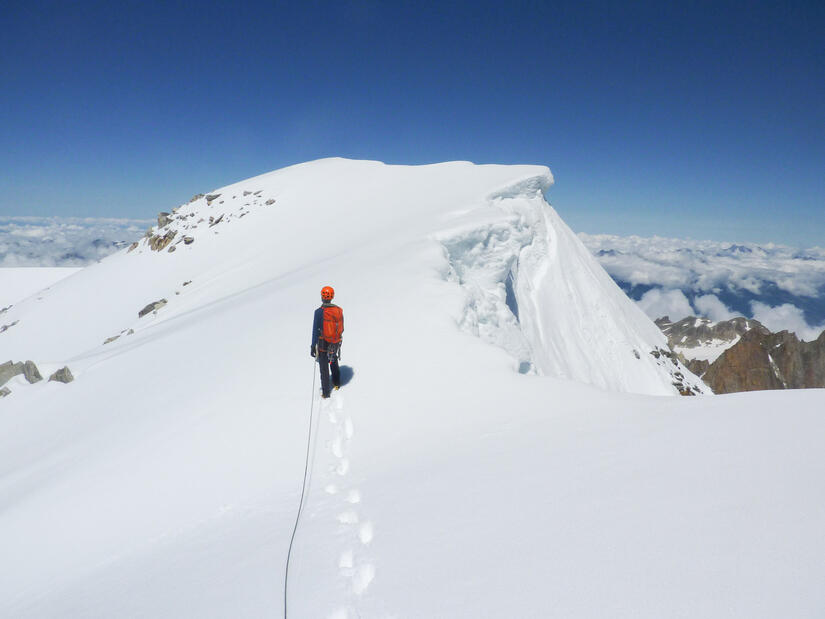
(303, 491)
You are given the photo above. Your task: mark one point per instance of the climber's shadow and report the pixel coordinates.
(346, 373)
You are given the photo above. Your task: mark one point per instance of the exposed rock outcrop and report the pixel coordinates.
(63, 375)
(151, 307)
(768, 361)
(163, 219)
(697, 366)
(31, 373)
(9, 370)
(667, 359)
(28, 369)
(158, 243)
(4, 392)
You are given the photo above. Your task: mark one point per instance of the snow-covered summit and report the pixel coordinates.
(481, 239)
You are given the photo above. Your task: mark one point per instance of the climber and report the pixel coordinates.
(327, 328)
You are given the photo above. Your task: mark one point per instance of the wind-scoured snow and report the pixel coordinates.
(492, 454)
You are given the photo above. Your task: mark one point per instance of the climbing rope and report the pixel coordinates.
(303, 491)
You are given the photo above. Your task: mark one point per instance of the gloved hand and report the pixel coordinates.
(312, 350)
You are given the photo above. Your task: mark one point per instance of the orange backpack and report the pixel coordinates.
(333, 325)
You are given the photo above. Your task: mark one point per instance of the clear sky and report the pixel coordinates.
(689, 119)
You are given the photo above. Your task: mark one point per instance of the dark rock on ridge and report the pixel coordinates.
(8, 326)
(151, 307)
(668, 360)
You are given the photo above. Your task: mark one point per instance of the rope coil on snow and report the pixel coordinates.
(303, 491)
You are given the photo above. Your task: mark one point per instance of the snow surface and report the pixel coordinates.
(708, 350)
(466, 469)
(17, 283)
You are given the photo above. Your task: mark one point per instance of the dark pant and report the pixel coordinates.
(327, 362)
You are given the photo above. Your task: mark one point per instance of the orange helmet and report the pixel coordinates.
(327, 293)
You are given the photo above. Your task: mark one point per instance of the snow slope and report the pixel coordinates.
(17, 283)
(453, 476)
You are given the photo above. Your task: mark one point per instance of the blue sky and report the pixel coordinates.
(695, 119)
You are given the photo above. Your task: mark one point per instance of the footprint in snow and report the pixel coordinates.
(365, 533)
(346, 561)
(362, 578)
(343, 467)
(338, 447)
(348, 517)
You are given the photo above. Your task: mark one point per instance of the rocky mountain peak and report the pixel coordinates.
(697, 332)
(742, 354)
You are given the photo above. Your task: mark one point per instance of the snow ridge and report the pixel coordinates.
(533, 289)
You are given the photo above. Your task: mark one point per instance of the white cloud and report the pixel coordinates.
(786, 317)
(63, 241)
(781, 278)
(673, 303)
(703, 266)
(710, 306)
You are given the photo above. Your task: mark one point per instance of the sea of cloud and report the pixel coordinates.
(64, 241)
(782, 287)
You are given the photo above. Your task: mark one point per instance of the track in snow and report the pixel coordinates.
(355, 567)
